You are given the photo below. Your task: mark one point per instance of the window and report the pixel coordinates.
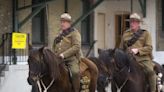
(87, 24)
(39, 26)
(160, 25)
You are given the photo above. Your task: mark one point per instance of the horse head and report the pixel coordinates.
(116, 59)
(106, 56)
(42, 62)
(36, 65)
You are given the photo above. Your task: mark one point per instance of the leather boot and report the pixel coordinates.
(76, 83)
(152, 82)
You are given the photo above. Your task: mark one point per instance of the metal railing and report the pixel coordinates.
(9, 55)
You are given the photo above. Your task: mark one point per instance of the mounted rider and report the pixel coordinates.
(68, 46)
(139, 42)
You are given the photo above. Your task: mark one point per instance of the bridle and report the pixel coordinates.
(40, 82)
(39, 77)
(117, 72)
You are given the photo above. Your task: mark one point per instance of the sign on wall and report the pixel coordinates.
(19, 40)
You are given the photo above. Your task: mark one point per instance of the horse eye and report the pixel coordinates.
(28, 60)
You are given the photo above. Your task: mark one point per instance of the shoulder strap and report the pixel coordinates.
(135, 37)
(63, 34)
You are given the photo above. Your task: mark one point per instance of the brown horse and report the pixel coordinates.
(127, 75)
(48, 73)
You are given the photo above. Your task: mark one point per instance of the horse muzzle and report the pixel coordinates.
(32, 80)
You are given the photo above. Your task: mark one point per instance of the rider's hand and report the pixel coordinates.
(61, 56)
(135, 50)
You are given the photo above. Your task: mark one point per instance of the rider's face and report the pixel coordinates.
(65, 24)
(134, 24)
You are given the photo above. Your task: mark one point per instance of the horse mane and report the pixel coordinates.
(100, 65)
(123, 58)
(53, 63)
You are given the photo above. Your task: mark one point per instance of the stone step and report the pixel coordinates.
(3, 77)
(2, 80)
(15, 79)
(2, 74)
(4, 67)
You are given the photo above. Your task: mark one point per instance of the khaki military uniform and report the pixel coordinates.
(70, 47)
(144, 56)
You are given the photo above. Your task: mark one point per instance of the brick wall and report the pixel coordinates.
(55, 9)
(5, 16)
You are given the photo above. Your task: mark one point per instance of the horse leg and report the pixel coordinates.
(34, 89)
(113, 87)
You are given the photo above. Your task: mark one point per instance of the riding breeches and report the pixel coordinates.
(75, 72)
(148, 68)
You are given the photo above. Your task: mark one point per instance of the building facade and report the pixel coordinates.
(105, 24)
(104, 21)
(111, 19)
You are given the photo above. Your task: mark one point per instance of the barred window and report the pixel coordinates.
(39, 25)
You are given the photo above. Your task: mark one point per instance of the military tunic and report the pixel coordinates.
(144, 44)
(70, 46)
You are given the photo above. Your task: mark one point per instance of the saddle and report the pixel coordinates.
(83, 66)
(84, 80)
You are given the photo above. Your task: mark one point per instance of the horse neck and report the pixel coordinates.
(128, 61)
(100, 65)
(63, 80)
(52, 62)
(134, 65)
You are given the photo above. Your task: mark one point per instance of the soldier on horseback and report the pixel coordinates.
(139, 42)
(68, 46)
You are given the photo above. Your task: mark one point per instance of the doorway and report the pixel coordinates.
(101, 30)
(121, 25)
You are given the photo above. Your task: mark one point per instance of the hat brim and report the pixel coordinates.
(135, 19)
(64, 19)
(128, 20)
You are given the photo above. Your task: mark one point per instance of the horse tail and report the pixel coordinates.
(93, 72)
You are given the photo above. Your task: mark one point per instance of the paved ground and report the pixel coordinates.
(16, 80)
(109, 88)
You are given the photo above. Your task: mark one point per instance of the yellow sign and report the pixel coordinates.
(19, 40)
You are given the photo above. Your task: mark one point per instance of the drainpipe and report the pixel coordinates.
(14, 29)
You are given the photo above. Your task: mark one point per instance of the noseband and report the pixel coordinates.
(117, 72)
(39, 77)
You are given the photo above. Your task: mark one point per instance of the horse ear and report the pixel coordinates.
(41, 49)
(30, 47)
(99, 50)
(111, 51)
(114, 50)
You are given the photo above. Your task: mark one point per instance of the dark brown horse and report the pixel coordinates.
(159, 69)
(103, 76)
(48, 72)
(127, 75)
